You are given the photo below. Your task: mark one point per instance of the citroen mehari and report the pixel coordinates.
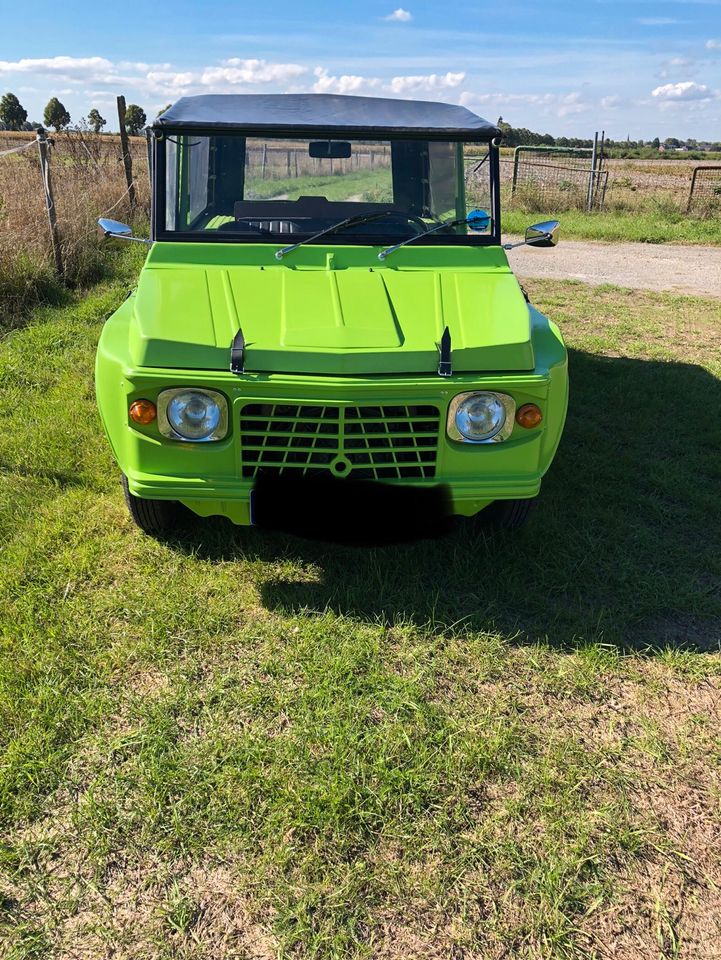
(326, 299)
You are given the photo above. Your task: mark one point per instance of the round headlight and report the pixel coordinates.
(194, 415)
(480, 416)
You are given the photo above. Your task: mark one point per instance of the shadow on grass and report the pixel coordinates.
(623, 548)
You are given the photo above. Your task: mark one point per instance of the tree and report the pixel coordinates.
(55, 114)
(134, 119)
(96, 121)
(166, 107)
(12, 113)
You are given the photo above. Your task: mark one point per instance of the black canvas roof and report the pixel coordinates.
(313, 113)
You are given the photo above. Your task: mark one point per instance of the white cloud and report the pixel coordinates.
(347, 83)
(687, 90)
(713, 44)
(401, 86)
(610, 103)
(548, 104)
(235, 72)
(427, 83)
(64, 66)
(163, 81)
(400, 16)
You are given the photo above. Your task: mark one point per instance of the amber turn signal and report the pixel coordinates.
(142, 411)
(528, 416)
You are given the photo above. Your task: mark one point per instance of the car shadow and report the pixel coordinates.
(623, 548)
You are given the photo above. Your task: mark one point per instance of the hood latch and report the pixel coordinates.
(445, 366)
(237, 353)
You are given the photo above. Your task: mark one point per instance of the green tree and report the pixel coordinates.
(96, 121)
(55, 114)
(166, 107)
(12, 113)
(655, 143)
(134, 119)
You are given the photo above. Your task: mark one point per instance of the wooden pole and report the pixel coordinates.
(149, 146)
(50, 200)
(125, 147)
(592, 174)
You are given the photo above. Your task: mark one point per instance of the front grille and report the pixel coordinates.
(365, 442)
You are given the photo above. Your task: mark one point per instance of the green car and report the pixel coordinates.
(326, 327)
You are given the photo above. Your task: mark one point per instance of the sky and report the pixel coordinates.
(638, 68)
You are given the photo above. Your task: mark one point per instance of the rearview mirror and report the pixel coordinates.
(543, 234)
(114, 228)
(119, 231)
(329, 149)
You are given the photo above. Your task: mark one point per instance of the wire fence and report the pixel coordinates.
(89, 180)
(82, 179)
(553, 183)
(705, 190)
(542, 184)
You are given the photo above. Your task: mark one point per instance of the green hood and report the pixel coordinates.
(329, 311)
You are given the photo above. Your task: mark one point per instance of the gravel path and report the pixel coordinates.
(645, 266)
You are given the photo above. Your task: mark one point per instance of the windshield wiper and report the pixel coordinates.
(348, 222)
(416, 236)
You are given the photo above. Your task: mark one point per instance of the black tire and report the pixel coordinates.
(152, 516)
(506, 514)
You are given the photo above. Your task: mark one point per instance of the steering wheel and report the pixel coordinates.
(416, 221)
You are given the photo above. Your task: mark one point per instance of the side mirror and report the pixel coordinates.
(543, 234)
(539, 235)
(118, 231)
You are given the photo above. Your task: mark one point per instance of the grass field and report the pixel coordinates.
(648, 224)
(250, 746)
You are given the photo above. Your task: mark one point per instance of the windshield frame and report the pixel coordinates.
(159, 232)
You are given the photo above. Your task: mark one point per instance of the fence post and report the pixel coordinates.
(149, 145)
(50, 200)
(592, 174)
(125, 147)
(693, 187)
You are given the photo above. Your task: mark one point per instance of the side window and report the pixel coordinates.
(171, 184)
(443, 180)
(199, 154)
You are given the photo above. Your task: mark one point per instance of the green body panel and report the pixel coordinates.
(333, 326)
(336, 312)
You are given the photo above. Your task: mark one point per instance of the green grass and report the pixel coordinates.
(641, 226)
(236, 745)
(372, 185)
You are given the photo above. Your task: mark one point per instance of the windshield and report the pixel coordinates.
(274, 189)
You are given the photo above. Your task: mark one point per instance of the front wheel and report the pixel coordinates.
(152, 516)
(506, 514)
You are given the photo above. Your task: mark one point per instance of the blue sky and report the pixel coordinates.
(642, 68)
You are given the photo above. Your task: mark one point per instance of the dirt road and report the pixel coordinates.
(645, 266)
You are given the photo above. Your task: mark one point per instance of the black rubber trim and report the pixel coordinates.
(237, 353)
(445, 366)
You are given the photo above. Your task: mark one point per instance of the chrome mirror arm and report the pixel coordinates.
(512, 246)
(526, 243)
(122, 236)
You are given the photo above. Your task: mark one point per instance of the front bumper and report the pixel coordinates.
(209, 477)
